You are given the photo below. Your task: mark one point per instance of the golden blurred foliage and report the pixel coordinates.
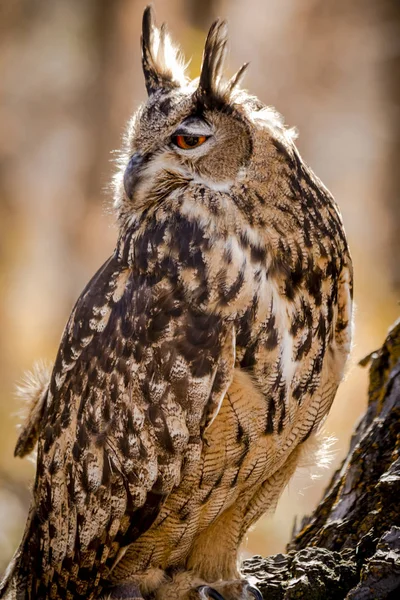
(70, 76)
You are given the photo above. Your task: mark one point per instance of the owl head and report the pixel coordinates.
(206, 131)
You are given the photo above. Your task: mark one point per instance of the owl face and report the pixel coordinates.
(175, 133)
(189, 132)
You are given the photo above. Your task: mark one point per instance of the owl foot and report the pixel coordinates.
(185, 585)
(231, 590)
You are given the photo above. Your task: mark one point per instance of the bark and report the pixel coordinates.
(350, 546)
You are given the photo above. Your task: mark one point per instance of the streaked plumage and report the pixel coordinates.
(199, 358)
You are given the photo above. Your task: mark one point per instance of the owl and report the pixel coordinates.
(200, 360)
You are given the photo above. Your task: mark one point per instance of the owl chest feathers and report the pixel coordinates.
(282, 303)
(283, 300)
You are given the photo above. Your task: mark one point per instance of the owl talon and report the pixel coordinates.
(254, 592)
(208, 592)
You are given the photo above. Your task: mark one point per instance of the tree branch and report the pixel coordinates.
(350, 546)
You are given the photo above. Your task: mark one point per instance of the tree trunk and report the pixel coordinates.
(350, 546)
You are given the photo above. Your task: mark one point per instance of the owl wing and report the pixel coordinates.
(139, 375)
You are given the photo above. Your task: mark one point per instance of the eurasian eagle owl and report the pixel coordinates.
(200, 357)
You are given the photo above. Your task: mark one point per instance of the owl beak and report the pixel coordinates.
(132, 173)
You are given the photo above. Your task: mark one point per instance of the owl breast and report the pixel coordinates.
(287, 369)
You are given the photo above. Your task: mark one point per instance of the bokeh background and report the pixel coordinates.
(70, 76)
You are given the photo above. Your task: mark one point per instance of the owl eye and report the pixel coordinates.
(187, 142)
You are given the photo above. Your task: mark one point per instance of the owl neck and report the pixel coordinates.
(201, 242)
(223, 248)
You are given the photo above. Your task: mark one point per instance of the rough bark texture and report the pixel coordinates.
(350, 546)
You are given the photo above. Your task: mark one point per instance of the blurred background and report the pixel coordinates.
(70, 76)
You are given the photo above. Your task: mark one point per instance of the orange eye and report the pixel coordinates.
(187, 142)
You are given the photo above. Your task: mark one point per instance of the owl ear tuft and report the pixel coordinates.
(162, 62)
(212, 85)
(236, 79)
(213, 59)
